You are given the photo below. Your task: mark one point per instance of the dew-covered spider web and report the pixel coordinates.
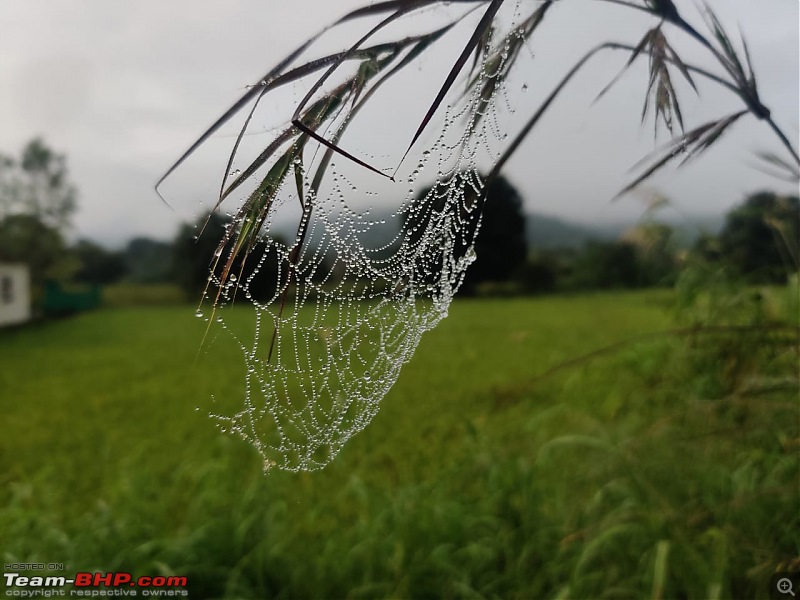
(343, 300)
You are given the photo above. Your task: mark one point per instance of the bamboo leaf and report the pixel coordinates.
(536, 117)
(276, 77)
(305, 129)
(260, 160)
(298, 178)
(692, 144)
(404, 7)
(634, 55)
(783, 169)
(480, 30)
(481, 50)
(751, 76)
(497, 66)
(258, 204)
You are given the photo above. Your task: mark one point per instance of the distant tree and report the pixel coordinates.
(760, 237)
(25, 239)
(37, 184)
(148, 260)
(655, 253)
(539, 275)
(501, 246)
(98, 265)
(193, 255)
(36, 203)
(605, 265)
(706, 248)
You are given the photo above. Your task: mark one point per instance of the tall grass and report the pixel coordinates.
(639, 473)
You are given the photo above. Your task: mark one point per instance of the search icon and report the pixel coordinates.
(785, 586)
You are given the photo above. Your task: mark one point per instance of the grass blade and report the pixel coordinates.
(692, 143)
(484, 24)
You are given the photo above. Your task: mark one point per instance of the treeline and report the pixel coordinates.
(184, 261)
(758, 242)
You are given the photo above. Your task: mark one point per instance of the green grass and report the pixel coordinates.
(126, 295)
(652, 471)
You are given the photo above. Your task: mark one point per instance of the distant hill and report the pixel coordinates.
(686, 232)
(148, 260)
(548, 232)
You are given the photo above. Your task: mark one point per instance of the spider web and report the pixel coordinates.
(345, 314)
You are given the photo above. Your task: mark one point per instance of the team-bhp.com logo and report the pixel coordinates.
(116, 584)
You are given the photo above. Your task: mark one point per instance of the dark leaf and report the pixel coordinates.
(480, 30)
(690, 145)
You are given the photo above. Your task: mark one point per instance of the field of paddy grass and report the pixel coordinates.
(646, 472)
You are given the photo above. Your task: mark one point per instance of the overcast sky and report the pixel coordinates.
(122, 88)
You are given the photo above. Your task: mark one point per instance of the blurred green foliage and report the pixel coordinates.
(665, 468)
(37, 202)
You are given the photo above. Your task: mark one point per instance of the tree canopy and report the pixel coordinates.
(37, 184)
(760, 237)
(500, 246)
(37, 201)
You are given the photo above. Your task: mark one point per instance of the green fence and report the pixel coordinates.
(60, 299)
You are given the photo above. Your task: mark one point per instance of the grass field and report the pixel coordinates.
(668, 468)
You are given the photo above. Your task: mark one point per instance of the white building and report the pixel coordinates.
(15, 294)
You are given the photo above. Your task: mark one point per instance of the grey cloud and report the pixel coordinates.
(124, 87)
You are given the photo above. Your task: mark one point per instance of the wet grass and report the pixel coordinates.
(630, 475)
